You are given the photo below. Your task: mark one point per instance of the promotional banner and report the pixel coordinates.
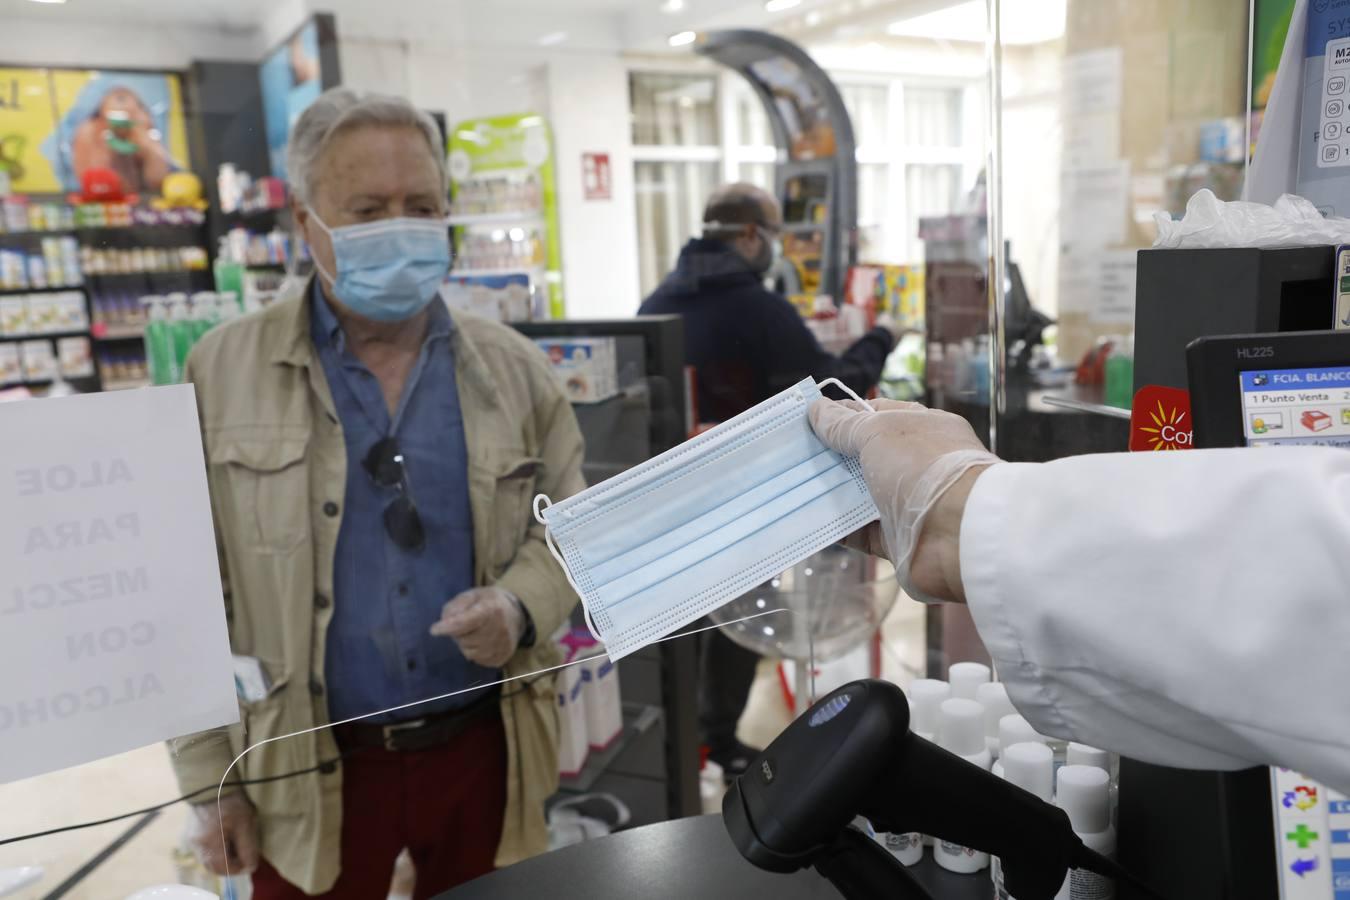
(291, 80)
(58, 124)
(505, 200)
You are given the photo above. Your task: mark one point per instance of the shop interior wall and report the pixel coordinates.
(30, 42)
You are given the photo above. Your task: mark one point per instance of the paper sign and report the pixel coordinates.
(1095, 204)
(596, 180)
(112, 623)
(1094, 82)
(1100, 284)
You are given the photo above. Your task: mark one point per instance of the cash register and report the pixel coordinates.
(1287, 835)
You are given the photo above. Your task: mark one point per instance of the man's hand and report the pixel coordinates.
(240, 826)
(486, 622)
(920, 465)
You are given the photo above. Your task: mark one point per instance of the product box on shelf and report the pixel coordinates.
(42, 314)
(573, 737)
(11, 369)
(39, 362)
(14, 316)
(75, 357)
(604, 709)
(587, 367)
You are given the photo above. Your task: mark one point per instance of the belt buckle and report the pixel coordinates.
(392, 732)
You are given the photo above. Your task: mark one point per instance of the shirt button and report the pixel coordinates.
(412, 665)
(316, 687)
(321, 601)
(403, 589)
(330, 509)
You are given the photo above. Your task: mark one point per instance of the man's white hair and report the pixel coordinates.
(343, 109)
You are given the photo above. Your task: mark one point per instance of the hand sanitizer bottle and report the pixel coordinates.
(993, 696)
(1084, 793)
(966, 677)
(1015, 729)
(962, 733)
(1030, 766)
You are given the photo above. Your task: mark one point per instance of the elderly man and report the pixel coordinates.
(746, 343)
(372, 461)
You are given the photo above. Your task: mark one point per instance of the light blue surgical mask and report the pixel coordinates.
(390, 269)
(667, 542)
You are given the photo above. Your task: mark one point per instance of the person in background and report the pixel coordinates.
(371, 461)
(746, 343)
(121, 135)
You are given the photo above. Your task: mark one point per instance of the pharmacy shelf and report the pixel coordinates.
(522, 217)
(47, 336)
(118, 332)
(9, 292)
(638, 719)
(126, 384)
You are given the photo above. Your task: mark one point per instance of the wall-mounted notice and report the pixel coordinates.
(112, 624)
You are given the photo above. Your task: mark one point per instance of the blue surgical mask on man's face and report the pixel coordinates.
(387, 270)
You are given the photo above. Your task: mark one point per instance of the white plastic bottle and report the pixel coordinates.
(1030, 766)
(925, 705)
(926, 696)
(993, 696)
(1083, 793)
(1015, 729)
(962, 732)
(966, 678)
(1083, 755)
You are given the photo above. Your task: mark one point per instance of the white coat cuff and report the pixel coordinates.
(987, 518)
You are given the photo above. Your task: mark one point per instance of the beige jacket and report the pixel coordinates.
(277, 466)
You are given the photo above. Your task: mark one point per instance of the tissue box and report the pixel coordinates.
(604, 711)
(587, 367)
(573, 738)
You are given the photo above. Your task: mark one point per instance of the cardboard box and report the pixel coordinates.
(573, 738)
(75, 357)
(14, 316)
(588, 368)
(39, 361)
(604, 709)
(11, 369)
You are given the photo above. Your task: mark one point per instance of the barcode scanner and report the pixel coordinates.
(852, 754)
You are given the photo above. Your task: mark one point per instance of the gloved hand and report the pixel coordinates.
(919, 465)
(486, 622)
(240, 824)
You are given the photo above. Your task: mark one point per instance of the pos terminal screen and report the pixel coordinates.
(1283, 407)
(1296, 406)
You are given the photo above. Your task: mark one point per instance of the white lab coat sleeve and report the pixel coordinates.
(1190, 609)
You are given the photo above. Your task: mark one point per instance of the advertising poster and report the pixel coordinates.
(501, 173)
(291, 79)
(27, 117)
(56, 124)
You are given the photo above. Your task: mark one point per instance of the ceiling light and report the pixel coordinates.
(813, 18)
(553, 39)
(670, 7)
(49, 1)
(686, 102)
(780, 5)
(681, 38)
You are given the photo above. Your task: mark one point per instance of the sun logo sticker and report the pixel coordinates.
(1161, 419)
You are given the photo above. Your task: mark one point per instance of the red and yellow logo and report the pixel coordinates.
(1161, 419)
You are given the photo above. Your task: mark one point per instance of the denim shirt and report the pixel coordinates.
(385, 598)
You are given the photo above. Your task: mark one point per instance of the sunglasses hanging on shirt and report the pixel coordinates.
(385, 465)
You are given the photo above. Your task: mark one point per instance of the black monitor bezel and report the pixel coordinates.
(1214, 365)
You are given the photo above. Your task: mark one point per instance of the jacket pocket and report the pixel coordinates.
(512, 496)
(264, 485)
(271, 718)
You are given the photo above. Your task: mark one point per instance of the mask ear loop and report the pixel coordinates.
(553, 548)
(847, 390)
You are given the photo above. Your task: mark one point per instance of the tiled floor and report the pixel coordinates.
(143, 778)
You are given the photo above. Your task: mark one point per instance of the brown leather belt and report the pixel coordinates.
(425, 733)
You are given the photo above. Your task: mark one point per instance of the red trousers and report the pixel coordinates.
(445, 805)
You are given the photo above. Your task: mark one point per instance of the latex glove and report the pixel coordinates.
(911, 456)
(240, 824)
(486, 622)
